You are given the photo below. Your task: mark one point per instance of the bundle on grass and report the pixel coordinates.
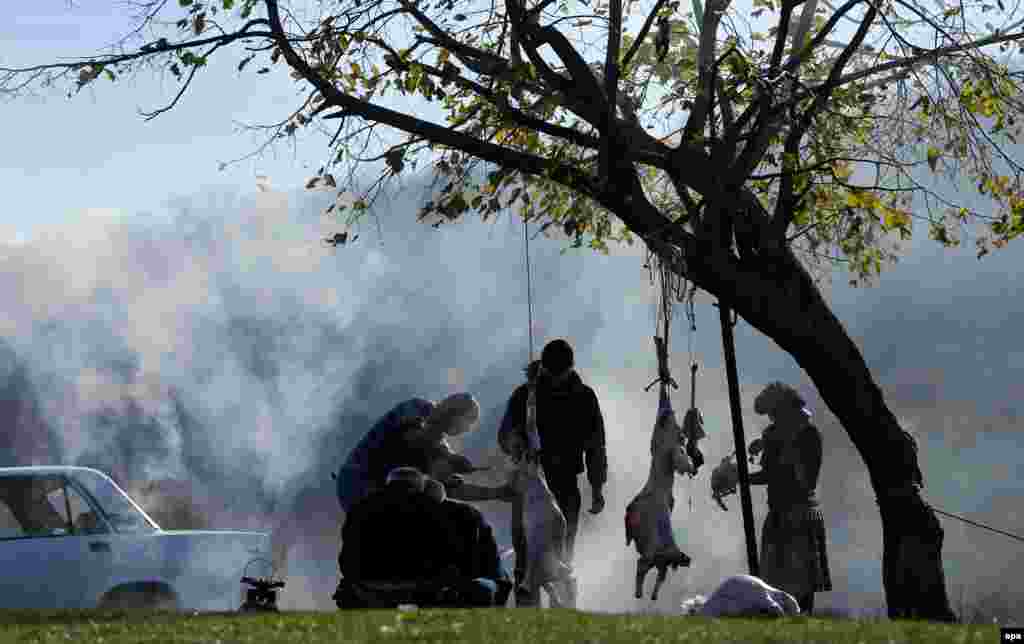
(743, 596)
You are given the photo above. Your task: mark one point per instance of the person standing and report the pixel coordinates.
(571, 430)
(793, 552)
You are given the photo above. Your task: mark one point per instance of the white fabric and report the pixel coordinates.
(743, 596)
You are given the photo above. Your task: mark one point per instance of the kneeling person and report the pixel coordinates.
(397, 547)
(482, 581)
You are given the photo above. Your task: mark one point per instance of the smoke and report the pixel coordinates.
(220, 360)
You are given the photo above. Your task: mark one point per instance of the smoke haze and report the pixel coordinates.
(225, 350)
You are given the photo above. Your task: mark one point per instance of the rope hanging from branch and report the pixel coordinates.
(672, 288)
(529, 287)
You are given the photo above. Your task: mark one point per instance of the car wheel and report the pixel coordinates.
(140, 596)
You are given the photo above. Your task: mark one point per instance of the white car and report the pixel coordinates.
(71, 538)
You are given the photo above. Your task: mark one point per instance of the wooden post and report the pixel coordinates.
(729, 348)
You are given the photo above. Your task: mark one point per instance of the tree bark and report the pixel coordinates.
(778, 297)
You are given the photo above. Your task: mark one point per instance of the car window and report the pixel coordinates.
(10, 527)
(83, 519)
(119, 510)
(31, 501)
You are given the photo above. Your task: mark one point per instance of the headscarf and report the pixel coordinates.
(456, 414)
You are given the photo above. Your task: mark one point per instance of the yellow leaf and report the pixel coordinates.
(442, 57)
(842, 169)
(896, 218)
(356, 70)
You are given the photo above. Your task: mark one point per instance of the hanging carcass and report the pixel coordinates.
(544, 526)
(726, 477)
(649, 514)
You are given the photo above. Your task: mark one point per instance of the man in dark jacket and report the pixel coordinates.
(483, 582)
(397, 547)
(571, 430)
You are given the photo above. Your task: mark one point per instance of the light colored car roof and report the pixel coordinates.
(69, 469)
(46, 469)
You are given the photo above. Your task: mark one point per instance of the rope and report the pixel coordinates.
(979, 525)
(529, 288)
(663, 324)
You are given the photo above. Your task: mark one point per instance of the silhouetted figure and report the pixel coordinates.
(793, 552)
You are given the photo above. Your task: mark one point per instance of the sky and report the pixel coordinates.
(165, 320)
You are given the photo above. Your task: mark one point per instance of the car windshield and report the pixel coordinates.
(121, 512)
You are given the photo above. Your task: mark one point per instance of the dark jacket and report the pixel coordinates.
(788, 486)
(570, 425)
(478, 550)
(369, 462)
(397, 535)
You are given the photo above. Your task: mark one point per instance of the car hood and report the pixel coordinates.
(218, 534)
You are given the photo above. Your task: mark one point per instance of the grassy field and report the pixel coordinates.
(476, 627)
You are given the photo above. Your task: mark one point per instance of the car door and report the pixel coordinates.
(42, 556)
(125, 552)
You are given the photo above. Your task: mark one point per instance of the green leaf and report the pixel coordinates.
(109, 74)
(185, 3)
(228, 4)
(933, 157)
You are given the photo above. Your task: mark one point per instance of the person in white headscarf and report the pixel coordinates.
(793, 553)
(413, 433)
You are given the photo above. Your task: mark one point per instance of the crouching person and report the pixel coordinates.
(482, 582)
(397, 547)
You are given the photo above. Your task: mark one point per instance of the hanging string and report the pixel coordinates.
(667, 285)
(979, 525)
(529, 287)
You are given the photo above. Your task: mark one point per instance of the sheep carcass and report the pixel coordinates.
(649, 514)
(544, 526)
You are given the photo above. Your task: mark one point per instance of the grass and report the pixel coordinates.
(466, 626)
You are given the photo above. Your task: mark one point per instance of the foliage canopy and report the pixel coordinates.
(795, 121)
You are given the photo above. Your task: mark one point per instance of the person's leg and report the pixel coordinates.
(806, 602)
(567, 495)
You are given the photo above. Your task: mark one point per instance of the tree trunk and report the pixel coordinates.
(778, 297)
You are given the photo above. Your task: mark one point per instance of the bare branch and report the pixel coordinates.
(143, 53)
(644, 30)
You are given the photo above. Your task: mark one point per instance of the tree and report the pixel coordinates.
(800, 146)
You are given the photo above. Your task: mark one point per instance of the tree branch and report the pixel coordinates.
(564, 174)
(644, 30)
(122, 58)
(924, 57)
(784, 210)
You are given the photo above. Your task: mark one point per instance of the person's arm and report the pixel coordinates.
(595, 454)
(594, 449)
(760, 446)
(471, 492)
(759, 477)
